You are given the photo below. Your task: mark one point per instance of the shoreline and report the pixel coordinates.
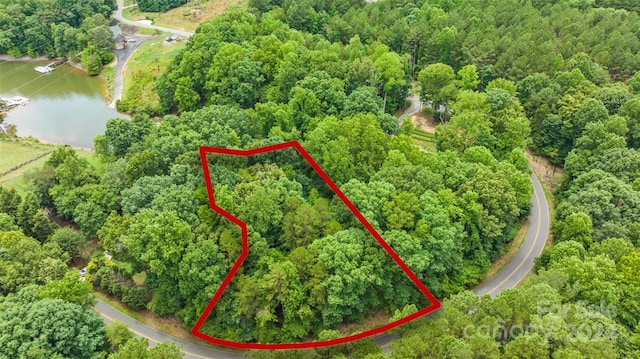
(79, 148)
(109, 102)
(9, 58)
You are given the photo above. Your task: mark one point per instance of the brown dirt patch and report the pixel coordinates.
(549, 174)
(424, 122)
(371, 321)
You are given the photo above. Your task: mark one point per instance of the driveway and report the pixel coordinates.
(118, 16)
(122, 56)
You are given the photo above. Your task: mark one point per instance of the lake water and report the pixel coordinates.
(67, 106)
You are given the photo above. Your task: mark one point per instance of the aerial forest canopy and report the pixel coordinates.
(58, 29)
(497, 76)
(246, 81)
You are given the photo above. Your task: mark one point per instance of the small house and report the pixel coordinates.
(118, 37)
(121, 42)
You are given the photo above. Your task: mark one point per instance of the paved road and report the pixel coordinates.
(508, 277)
(122, 56)
(415, 106)
(533, 245)
(192, 351)
(118, 16)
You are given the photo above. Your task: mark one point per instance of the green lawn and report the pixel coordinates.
(12, 154)
(17, 179)
(425, 139)
(144, 67)
(186, 17)
(109, 74)
(92, 159)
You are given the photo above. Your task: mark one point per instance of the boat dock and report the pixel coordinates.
(44, 69)
(49, 68)
(16, 101)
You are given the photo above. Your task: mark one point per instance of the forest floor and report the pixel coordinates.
(372, 320)
(186, 17)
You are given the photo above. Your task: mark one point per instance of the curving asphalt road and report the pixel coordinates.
(122, 56)
(192, 351)
(539, 221)
(522, 262)
(118, 16)
(508, 277)
(413, 108)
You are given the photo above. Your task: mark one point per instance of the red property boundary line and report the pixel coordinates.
(435, 304)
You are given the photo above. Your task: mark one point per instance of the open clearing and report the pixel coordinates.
(12, 153)
(424, 129)
(144, 67)
(186, 17)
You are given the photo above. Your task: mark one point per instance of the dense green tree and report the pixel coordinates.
(157, 242)
(69, 240)
(29, 262)
(122, 134)
(70, 289)
(437, 86)
(30, 321)
(577, 227)
(527, 346)
(135, 348)
(118, 334)
(611, 204)
(145, 163)
(389, 67)
(32, 220)
(467, 78)
(7, 223)
(233, 78)
(41, 181)
(361, 100)
(401, 211)
(352, 276)
(447, 213)
(10, 201)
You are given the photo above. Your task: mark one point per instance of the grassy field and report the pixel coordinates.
(425, 139)
(131, 29)
(14, 153)
(186, 17)
(17, 179)
(144, 67)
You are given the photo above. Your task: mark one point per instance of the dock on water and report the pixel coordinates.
(15, 101)
(44, 69)
(47, 69)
